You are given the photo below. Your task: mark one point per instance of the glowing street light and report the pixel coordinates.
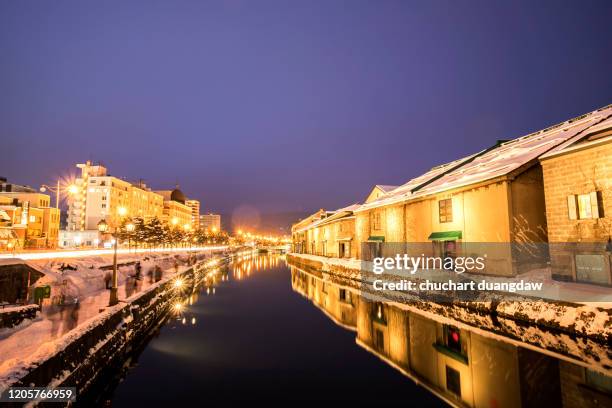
(71, 189)
(122, 211)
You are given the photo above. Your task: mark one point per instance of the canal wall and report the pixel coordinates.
(13, 316)
(99, 346)
(523, 318)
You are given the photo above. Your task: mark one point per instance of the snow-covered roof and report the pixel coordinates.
(489, 164)
(334, 215)
(582, 139)
(386, 188)
(404, 191)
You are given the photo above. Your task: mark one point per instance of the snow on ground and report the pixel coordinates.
(554, 306)
(81, 282)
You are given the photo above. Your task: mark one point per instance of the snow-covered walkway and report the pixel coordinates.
(85, 296)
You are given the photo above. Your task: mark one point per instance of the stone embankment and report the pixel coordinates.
(100, 346)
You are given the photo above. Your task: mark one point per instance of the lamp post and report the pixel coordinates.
(104, 228)
(71, 189)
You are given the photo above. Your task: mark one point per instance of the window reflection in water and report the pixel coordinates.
(459, 363)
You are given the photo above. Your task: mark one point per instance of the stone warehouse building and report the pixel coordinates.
(327, 233)
(494, 198)
(578, 190)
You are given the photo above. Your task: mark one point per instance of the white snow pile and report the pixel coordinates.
(76, 278)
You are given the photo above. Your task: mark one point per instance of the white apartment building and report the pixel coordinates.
(102, 196)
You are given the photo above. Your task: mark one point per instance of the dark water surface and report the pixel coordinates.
(256, 341)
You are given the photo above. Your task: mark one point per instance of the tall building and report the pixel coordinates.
(210, 222)
(195, 212)
(28, 221)
(175, 212)
(102, 196)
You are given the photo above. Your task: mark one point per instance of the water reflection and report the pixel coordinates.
(460, 364)
(187, 291)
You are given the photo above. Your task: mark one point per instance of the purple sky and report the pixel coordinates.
(287, 105)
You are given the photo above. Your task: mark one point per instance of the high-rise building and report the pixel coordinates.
(210, 222)
(102, 196)
(195, 212)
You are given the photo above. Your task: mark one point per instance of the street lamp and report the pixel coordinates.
(71, 189)
(103, 227)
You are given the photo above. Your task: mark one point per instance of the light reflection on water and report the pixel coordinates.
(254, 331)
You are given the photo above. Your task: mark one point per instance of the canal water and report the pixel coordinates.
(265, 332)
(254, 339)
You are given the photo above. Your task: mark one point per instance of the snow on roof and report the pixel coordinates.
(404, 191)
(492, 163)
(386, 188)
(334, 215)
(511, 155)
(12, 261)
(579, 138)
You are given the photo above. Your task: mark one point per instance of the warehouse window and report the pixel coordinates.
(453, 381)
(445, 209)
(585, 206)
(452, 338)
(379, 339)
(376, 221)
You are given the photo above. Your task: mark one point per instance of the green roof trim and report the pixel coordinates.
(451, 353)
(376, 238)
(445, 236)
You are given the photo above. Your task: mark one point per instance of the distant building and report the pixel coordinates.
(5, 186)
(195, 212)
(102, 196)
(175, 212)
(28, 221)
(76, 239)
(326, 233)
(378, 191)
(210, 221)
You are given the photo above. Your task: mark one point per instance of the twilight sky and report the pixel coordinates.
(287, 105)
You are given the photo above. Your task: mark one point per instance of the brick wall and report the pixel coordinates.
(578, 172)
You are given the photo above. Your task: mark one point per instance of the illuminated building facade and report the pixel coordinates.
(210, 222)
(195, 212)
(495, 196)
(578, 190)
(28, 221)
(102, 196)
(176, 213)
